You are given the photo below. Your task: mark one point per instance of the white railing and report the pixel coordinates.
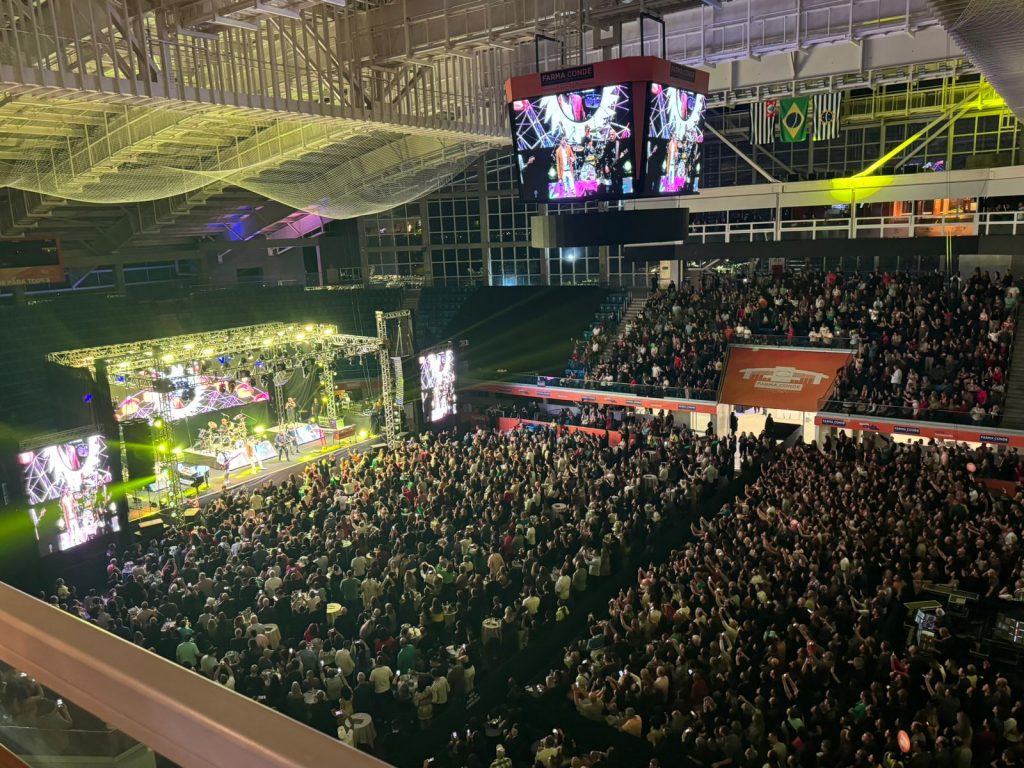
(315, 65)
(179, 714)
(861, 227)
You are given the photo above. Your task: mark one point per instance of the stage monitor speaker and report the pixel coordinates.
(580, 230)
(138, 438)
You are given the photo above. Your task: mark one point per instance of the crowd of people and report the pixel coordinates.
(924, 345)
(776, 637)
(417, 547)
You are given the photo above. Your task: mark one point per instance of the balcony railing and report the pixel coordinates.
(860, 227)
(71, 666)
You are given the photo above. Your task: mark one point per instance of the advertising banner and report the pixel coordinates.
(796, 379)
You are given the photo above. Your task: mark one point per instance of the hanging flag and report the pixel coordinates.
(826, 115)
(764, 116)
(793, 120)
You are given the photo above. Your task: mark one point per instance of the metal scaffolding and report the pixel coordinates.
(387, 377)
(276, 343)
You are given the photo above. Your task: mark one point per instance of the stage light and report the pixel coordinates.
(187, 346)
(223, 360)
(260, 429)
(149, 353)
(267, 342)
(300, 336)
(309, 327)
(363, 434)
(119, 379)
(162, 448)
(207, 351)
(112, 507)
(323, 399)
(158, 423)
(327, 332)
(87, 398)
(259, 363)
(167, 358)
(177, 450)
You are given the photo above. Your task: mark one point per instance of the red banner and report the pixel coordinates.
(780, 377)
(570, 395)
(26, 275)
(923, 429)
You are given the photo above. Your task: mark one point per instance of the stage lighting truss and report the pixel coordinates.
(230, 347)
(232, 353)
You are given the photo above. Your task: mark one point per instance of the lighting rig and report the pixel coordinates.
(268, 346)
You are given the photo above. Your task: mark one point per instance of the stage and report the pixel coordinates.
(264, 446)
(143, 506)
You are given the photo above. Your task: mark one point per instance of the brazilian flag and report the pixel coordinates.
(793, 120)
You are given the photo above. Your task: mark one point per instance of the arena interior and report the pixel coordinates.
(511, 384)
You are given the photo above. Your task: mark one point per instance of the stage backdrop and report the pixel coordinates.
(780, 377)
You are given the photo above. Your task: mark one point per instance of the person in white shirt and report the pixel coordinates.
(344, 661)
(531, 602)
(563, 584)
(495, 564)
(272, 584)
(359, 565)
(381, 677)
(439, 690)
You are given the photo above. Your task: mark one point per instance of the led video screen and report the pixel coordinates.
(192, 394)
(68, 496)
(576, 145)
(437, 384)
(674, 140)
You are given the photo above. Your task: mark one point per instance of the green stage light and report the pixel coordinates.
(158, 423)
(178, 450)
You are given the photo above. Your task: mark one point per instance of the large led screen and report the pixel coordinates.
(67, 492)
(437, 384)
(576, 145)
(192, 393)
(674, 140)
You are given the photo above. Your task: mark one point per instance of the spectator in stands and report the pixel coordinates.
(467, 525)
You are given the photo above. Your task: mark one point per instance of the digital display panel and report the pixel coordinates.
(437, 384)
(576, 145)
(192, 393)
(67, 490)
(674, 140)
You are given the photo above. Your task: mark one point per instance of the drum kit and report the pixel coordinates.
(224, 436)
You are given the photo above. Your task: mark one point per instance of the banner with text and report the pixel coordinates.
(780, 377)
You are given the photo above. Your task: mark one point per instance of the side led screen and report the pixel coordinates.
(437, 384)
(674, 140)
(575, 145)
(67, 490)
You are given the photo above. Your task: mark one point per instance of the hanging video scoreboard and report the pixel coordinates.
(621, 129)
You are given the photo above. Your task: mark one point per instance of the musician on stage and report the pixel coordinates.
(611, 160)
(283, 445)
(565, 162)
(252, 454)
(289, 408)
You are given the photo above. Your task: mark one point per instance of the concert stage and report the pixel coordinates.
(144, 506)
(264, 446)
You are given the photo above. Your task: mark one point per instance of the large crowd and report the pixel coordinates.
(395, 582)
(778, 635)
(924, 346)
(417, 547)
